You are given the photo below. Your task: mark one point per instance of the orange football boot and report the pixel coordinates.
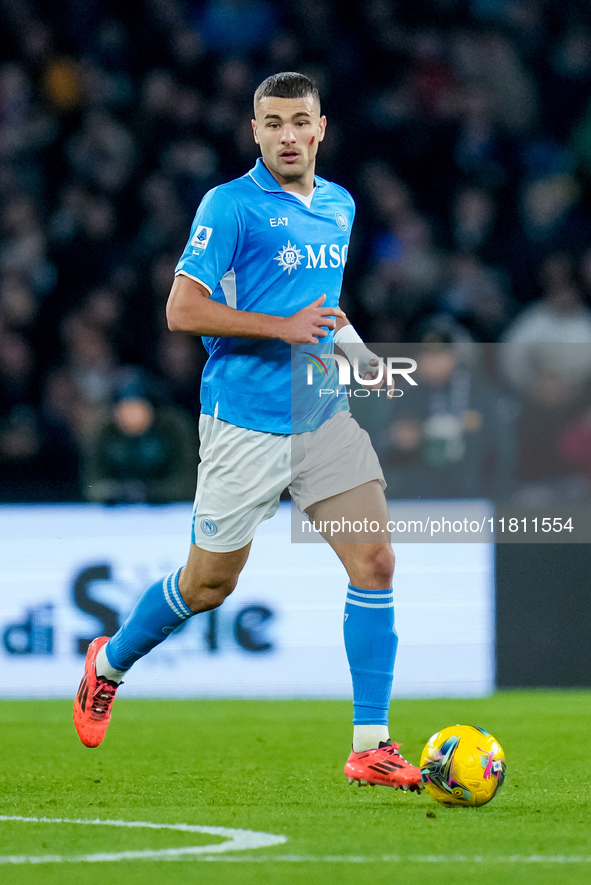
(92, 707)
(384, 766)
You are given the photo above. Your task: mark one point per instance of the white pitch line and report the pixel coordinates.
(390, 858)
(236, 840)
(240, 840)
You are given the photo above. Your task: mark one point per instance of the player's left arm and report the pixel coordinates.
(352, 345)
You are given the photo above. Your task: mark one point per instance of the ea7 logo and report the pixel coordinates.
(337, 256)
(278, 222)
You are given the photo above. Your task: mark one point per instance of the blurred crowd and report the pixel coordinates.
(462, 128)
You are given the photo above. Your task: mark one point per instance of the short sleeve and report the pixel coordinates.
(214, 239)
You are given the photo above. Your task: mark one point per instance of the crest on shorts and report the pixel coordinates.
(208, 526)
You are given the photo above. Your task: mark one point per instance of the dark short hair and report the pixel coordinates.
(287, 84)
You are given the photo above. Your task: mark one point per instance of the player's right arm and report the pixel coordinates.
(190, 309)
(216, 236)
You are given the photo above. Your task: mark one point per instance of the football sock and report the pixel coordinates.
(156, 615)
(369, 737)
(104, 669)
(370, 643)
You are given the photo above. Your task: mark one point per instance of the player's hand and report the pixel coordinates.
(372, 370)
(310, 323)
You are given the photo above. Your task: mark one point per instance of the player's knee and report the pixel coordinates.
(371, 566)
(375, 566)
(205, 595)
(382, 564)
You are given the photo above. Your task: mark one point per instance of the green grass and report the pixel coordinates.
(277, 767)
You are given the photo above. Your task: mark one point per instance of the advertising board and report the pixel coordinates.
(72, 572)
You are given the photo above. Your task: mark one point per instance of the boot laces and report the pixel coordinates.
(103, 698)
(394, 750)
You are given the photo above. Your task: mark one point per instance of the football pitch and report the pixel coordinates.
(260, 788)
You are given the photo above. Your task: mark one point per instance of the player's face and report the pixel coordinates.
(289, 131)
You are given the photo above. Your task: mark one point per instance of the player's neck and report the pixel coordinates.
(303, 185)
(297, 187)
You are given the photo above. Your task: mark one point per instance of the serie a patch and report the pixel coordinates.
(201, 237)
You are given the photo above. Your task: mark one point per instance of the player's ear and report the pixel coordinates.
(322, 124)
(254, 131)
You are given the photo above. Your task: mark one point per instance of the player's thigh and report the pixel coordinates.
(210, 576)
(356, 515)
(355, 525)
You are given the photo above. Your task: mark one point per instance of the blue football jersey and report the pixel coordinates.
(259, 248)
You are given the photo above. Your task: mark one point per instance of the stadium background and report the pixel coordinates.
(463, 129)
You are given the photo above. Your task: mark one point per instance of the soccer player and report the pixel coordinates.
(262, 271)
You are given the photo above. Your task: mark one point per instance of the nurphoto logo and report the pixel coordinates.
(385, 372)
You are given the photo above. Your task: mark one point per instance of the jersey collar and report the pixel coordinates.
(261, 176)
